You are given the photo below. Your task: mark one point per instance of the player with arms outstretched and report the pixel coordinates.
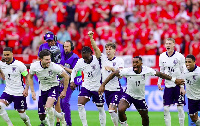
(135, 92)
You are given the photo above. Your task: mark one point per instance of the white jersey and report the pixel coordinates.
(13, 76)
(92, 73)
(47, 76)
(192, 82)
(172, 66)
(116, 63)
(136, 82)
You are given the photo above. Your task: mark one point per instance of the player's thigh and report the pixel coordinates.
(168, 97)
(112, 98)
(84, 96)
(6, 98)
(97, 99)
(53, 94)
(179, 98)
(20, 103)
(193, 106)
(140, 104)
(143, 113)
(123, 105)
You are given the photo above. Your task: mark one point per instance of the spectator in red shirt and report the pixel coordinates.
(60, 10)
(27, 38)
(195, 45)
(104, 10)
(2, 46)
(43, 4)
(17, 4)
(3, 9)
(151, 46)
(17, 48)
(12, 37)
(186, 43)
(95, 15)
(82, 14)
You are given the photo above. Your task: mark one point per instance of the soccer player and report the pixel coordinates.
(109, 64)
(47, 72)
(172, 63)
(89, 64)
(68, 62)
(192, 79)
(56, 50)
(14, 90)
(135, 92)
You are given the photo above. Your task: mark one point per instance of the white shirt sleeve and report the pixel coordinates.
(22, 68)
(123, 72)
(31, 71)
(75, 70)
(58, 69)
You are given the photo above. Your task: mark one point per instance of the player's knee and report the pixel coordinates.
(42, 116)
(2, 107)
(121, 109)
(80, 107)
(23, 116)
(166, 108)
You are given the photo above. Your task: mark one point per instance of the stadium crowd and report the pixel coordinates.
(137, 26)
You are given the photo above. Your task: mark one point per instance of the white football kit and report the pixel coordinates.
(13, 77)
(92, 73)
(116, 63)
(192, 82)
(136, 82)
(172, 66)
(47, 76)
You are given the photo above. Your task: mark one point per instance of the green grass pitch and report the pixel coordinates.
(134, 119)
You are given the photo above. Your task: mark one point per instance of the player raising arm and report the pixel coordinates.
(135, 92)
(109, 64)
(89, 64)
(47, 72)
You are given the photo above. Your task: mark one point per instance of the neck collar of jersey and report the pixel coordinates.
(193, 69)
(112, 59)
(42, 66)
(12, 61)
(171, 55)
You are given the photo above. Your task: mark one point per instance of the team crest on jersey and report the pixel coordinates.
(48, 35)
(14, 69)
(93, 67)
(114, 63)
(143, 77)
(50, 73)
(175, 61)
(194, 77)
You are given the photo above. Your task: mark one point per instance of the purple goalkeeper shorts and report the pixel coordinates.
(172, 95)
(139, 104)
(19, 101)
(193, 106)
(112, 97)
(52, 93)
(96, 98)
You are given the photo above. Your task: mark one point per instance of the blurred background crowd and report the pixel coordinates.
(138, 27)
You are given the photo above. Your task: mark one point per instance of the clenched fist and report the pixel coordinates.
(90, 34)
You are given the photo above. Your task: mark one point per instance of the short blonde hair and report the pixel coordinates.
(170, 39)
(111, 44)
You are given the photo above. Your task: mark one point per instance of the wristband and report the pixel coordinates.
(173, 79)
(182, 86)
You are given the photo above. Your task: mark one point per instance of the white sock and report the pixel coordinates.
(25, 118)
(57, 114)
(4, 114)
(102, 116)
(46, 121)
(82, 114)
(114, 117)
(123, 123)
(167, 116)
(181, 115)
(50, 115)
(198, 122)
